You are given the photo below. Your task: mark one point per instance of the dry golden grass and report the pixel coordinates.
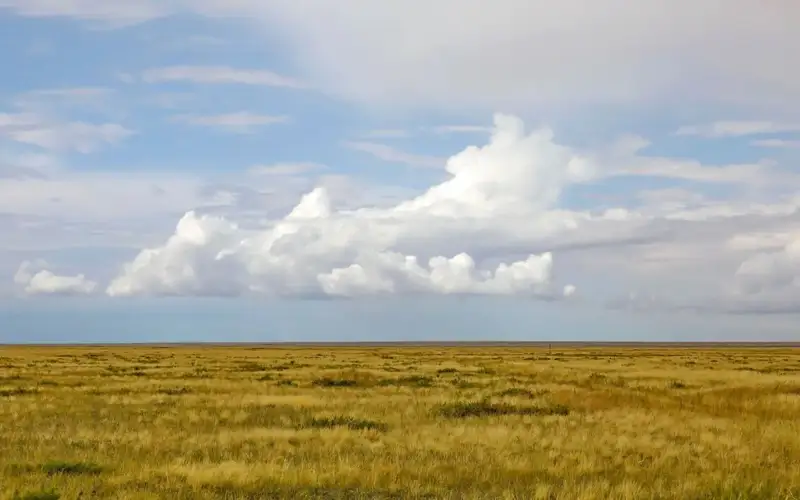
(398, 422)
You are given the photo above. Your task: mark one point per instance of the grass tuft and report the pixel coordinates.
(412, 381)
(17, 391)
(466, 409)
(517, 392)
(349, 422)
(60, 467)
(334, 382)
(37, 495)
(174, 391)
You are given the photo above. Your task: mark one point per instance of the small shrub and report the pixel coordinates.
(489, 409)
(349, 422)
(597, 378)
(464, 384)
(252, 367)
(334, 382)
(517, 392)
(59, 467)
(413, 381)
(38, 495)
(17, 391)
(174, 391)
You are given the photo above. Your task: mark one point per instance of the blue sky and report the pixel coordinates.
(304, 170)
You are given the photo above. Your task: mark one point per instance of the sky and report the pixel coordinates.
(291, 170)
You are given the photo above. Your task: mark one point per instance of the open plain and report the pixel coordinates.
(350, 422)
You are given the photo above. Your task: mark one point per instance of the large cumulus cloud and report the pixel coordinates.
(498, 200)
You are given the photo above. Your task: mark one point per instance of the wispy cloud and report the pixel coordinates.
(242, 122)
(390, 154)
(460, 129)
(737, 128)
(387, 133)
(64, 99)
(114, 13)
(285, 169)
(777, 143)
(220, 75)
(46, 133)
(692, 170)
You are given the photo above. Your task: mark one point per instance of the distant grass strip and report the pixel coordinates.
(469, 409)
(60, 467)
(351, 423)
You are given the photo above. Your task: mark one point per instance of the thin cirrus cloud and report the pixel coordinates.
(777, 143)
(52, 134)
(285, 169)
(122, 13)
(461, 129)
(390, 154)
(239, 122)
(220, 75)
(737, 129)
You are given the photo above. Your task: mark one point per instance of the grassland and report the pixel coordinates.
(399, 422)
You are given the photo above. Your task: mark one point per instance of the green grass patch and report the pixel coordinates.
(334, 382)
(518, 392)
(37, 495)
(466, 409)
(351, 423)
(174, 391)
(410, 381)
(17, 391)
(61, 467)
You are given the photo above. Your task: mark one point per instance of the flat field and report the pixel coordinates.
(251, 422)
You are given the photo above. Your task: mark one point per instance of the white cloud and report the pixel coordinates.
(317, 250)
(624, 159)
(287, 169)
(546, 53)
(393, 272)
(26, 165)
(119, 13)
(44, 282)
(777, 143)
(460, 129)
(242, 122)
(510, 54)
(693, 170)
(220, 75)
(771, 270)
(737, 128)
(77, 136)
(388, 133)
(52, 134)
(393, 155)
(43, 101)
(98, 196)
